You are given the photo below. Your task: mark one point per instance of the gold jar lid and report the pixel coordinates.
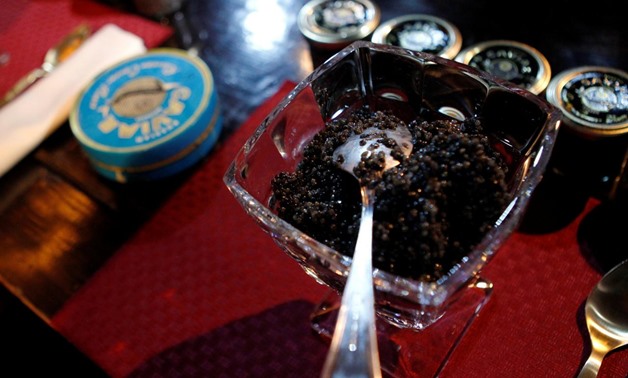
(593, 99)
(420, 32)
(512, 61)
(334, 24)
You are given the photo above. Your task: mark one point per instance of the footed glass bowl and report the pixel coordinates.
(522, 126)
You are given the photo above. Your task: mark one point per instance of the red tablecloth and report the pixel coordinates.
(28, 28)
(202, 291)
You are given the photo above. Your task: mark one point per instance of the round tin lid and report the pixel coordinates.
(420, 32)
(513, 61)
(147, 114)
(336, 23)
(593, 99)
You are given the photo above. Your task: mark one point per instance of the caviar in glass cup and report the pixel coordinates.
(412, 315)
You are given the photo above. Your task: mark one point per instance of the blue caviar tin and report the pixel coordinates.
(148, 117)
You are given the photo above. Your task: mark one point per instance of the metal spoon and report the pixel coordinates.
(606, 314)
(54, 56)
(353, 351)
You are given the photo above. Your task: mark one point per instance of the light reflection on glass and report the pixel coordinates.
(265, 24)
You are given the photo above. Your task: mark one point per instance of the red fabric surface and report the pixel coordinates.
(201, 271)
(28, 28)
(275, 343)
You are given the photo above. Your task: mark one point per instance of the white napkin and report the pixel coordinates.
(27, 120)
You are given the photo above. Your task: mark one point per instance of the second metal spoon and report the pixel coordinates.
(606, 312)
(54, 56)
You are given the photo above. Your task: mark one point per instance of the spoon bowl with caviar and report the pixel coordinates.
(474, 151)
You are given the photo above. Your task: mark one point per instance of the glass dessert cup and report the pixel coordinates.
(419, 323)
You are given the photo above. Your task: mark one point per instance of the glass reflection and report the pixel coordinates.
(265, 24)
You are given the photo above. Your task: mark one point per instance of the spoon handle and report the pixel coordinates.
(23, 84)
(57, 54)
(353, 351)
(592, 365)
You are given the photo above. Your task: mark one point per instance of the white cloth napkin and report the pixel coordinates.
(27, 120)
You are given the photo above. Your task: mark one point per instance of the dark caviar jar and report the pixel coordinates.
(513, 61)
(420, 32)
(334, 24)
(592, 146)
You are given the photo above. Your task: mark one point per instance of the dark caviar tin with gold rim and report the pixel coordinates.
(420, 32)
(593, 99)
(334, 24)
(592, 146)
(513, 61)
(148, 117)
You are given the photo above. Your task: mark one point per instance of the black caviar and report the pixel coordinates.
(430, 210)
